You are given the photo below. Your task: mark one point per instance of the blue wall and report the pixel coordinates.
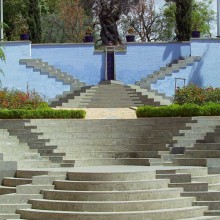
(19, 77)
(208, 71)
(142, 59)
(81, 61)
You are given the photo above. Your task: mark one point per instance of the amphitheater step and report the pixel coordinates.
(12, 181)
(162, 214)
(112, 206)
(7, 190)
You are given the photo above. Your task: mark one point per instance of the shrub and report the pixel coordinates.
(186, 110)
(40, 113)
(195, 95)
(16, 99)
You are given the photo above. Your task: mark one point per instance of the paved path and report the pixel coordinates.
(108, 113)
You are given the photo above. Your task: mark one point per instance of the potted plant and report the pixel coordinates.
(130, 37)
(24, 34)
(88, 35)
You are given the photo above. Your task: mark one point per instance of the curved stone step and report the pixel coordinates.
(130, 195)
(111, 206)
(110, 185)
(154, 215)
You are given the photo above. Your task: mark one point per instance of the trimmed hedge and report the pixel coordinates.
(41, 113)
(186, 110)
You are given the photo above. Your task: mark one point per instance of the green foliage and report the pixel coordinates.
(183, 19)
(186, 110)
(196, 95)
(16, 99)
(34, 21)
(202, 16)
(41, 113)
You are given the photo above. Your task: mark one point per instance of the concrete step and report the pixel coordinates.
(112, 195)
(190, 187)
(105, 175)
(213, 205)
(207, 146)
(202, 218)
(110, 185)
(109, 141)
(210, 179)
(98, 135)
(175, 178)
(110, 154)
(111, 161)
(11, 208)
(161, 214)
(112, 206)
(203, 196)
(202, 153)
(212, 213)
(7, 190)
(13, 182)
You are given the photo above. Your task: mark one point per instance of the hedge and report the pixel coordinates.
(40, 113)
(186, 110)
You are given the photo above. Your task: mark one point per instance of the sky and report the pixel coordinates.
(159, 3)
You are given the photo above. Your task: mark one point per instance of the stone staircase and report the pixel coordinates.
(31, 151)
(198, 146)
(105, 189)
(13, 150)
(109, 142)
(45, 69)
(25, 185)
(112, 193)
(175, 66)
(105, 95)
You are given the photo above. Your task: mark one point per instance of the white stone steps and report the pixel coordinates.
(154, 215)
(128, 174)
(110, 161)
(130, 195)
(111, 206)
(110, 185)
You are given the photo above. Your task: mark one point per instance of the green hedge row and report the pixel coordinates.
(41, 113)
(186, 110)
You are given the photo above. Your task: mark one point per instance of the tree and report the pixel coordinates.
(144, 20)
(15, 13)
(64, 23)
(34, 21)
(202, 16)
(109, 12)
(183, 19)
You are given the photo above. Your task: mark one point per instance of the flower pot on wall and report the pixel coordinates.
(196, 34)
(130, 38)
(24, 37)
(88, 39)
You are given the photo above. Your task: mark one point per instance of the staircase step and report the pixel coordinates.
(161, 214)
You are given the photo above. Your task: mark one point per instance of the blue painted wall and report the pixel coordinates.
(208, 71)
(19, 77)
(81, 61)
(142, 59)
